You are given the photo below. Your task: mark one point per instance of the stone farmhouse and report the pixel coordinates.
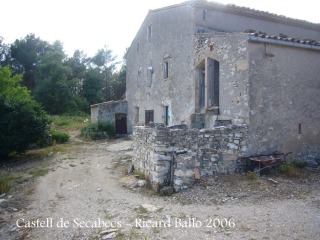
(207, 65)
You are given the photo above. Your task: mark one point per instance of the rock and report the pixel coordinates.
(165, 191)
(130, 168)
(2, 195)
(312, 163)
(13, 229)
(109, 236)
(149, 207)
(104, 232)
(2, 200)
(99, 189)
(128, 181)
(177, 188)
(141, 183)
(274, 181)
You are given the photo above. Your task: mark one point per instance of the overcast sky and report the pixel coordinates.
(91, 24)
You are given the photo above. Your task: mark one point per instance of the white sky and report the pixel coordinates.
(89, 25)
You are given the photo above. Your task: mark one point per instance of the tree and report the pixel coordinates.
(53, 89)
(22, 119)
(105, 62)
(4, 53)
(92, 86)
(78, 64)
(25, 55)
(118, 84)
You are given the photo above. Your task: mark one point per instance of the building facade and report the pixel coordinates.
(205, 64)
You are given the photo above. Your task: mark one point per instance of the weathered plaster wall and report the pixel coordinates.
(284, 96)
(94, 113)
(106, 111)
(228, 21)
(231, 51)
(211, 151)
(172, 41)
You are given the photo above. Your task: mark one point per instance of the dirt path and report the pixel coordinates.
(82, 196)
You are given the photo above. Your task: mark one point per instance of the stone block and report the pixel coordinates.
(232, 146)
(229, 157)
(186, 173)
(160, 157)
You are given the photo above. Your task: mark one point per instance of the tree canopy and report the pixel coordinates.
(22, 119)
(60, 83)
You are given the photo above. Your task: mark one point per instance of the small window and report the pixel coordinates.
(165, 70)
(138, 47)
(149, 116)
(149, 32)
(139, 78)
(213, 82)
(149, 75)
(137, 115)
(166, 115)
(204, 14)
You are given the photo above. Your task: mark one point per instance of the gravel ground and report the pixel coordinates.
(81, 196)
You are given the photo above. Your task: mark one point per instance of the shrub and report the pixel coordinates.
(59, 137)
(299, 163)
(4, 184)
(288, 170)
(22, 121)
(100, 130)
(253, 176)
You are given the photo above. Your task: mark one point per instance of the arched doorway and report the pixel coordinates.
(121, 123)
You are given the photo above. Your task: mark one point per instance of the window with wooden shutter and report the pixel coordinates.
(149, 116)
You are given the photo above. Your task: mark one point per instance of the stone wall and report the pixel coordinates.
(170, 156)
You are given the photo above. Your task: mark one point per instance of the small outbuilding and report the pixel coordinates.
(112, 111)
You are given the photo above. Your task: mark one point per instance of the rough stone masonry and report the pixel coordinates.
(170, 157)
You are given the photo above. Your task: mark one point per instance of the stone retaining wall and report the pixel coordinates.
(170, 156)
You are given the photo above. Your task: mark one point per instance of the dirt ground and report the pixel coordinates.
(80, 195)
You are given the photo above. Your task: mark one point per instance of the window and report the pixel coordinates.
(166, 115)
(149, 116)
(208, 84)
(139, 78)
(136, 115)
(149, 32)
(138, 47)
(204, 14)
(149, 75)
(202, 86)
(213, 81)
(165, 70)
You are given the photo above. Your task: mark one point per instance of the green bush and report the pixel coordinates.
(299, 163)
(22, 122)
(253, 176)
(59, 137)
(4, 184)
(288, 169)
(100, 130)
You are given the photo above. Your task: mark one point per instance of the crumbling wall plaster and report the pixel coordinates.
(284, 99)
